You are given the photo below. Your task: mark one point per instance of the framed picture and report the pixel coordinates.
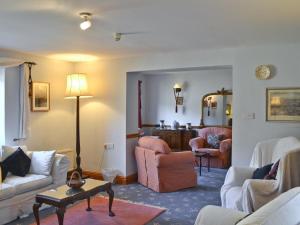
(40, 100)
(283, 104)
(179, 100)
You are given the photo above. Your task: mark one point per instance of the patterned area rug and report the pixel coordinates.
(127, 213)
(182, 206)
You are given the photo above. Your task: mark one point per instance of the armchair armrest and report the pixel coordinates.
(215, 215)
(236, 176)
(256, 193)
(197, 142)
(225, 145)
(59, 169)
(174, 159)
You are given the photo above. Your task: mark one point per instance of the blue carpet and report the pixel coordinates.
(182, 206)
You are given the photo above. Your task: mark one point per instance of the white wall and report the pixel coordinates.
(2, 106)
(103, 118)
(250, 96)
(160, 101)
(48, 130)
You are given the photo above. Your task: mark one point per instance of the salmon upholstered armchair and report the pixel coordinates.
(221, 156)
(162, 170)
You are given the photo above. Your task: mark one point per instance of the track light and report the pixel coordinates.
(87, 20)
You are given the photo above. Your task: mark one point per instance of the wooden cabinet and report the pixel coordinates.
(178, 140)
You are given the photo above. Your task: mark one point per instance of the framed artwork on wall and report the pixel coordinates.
(283, 104)
(40, 100)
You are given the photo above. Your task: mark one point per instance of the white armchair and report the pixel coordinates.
(282, 210)
(245, 194)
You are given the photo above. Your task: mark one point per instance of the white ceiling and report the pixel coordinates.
(52, 26)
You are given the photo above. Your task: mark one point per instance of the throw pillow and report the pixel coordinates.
(18, 163)
(4, 172)
(260, 173)
(8, 150)
(214, 140)
(273, 172)
(41, 162)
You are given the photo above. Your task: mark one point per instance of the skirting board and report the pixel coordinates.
(119, 179)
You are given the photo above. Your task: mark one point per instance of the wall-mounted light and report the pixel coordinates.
(178, 100)
(86, 16)
(228, 109)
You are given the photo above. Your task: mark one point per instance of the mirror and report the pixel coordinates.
(217, 109)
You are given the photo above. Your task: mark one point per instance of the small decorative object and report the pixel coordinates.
(162, 124)
(283, 104)
(178, 100)
(175, 125)
(188, 126)
(75, 182)
(40, 100)
(263, 72)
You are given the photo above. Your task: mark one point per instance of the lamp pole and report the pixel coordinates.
(78, 159)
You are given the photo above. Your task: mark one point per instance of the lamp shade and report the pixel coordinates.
(77, 86)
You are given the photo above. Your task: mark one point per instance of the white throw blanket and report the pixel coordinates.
(245, 194)
(255, 193)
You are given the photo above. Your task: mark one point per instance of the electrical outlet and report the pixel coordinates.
(248, 116)
(109, 146)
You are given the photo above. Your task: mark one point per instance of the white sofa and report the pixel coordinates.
(245, 194)
(17, 194)
(283, 210)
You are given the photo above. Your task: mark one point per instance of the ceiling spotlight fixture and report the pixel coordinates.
(87, 20)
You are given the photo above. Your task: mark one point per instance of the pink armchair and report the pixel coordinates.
(221, 157)
(161, 169)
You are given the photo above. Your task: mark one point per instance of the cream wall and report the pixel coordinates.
(103, 118)
(109, 83)
(48, 130)
(159, 103)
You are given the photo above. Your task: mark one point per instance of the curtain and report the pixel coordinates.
(24, 103)
(2, 106)
(140, 104)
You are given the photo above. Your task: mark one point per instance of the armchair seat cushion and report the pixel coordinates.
(28, 183)
(211, 151)
(6, 191)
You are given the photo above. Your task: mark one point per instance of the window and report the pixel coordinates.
(2, 106)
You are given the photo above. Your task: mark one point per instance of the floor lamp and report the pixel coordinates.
(77, 88)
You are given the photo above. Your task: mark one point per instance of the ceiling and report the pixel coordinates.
(52, 26)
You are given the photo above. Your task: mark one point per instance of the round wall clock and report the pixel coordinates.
(263, 72)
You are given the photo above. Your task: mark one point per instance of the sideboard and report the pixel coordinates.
(178, 140)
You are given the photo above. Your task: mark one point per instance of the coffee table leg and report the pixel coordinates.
(208, 162)
(111, 194)
(200, 166)
(89, 204)
(60, 212)
(35, 208)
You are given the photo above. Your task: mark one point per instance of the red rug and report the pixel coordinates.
(127, 213)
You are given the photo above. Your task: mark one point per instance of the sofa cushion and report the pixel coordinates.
(261, 172)
(6, 191)
(28, 183)
(18, 163)
(42, 162)
(8, 150)
(213, 140)
(155, 144)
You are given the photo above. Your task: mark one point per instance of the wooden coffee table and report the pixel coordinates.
(64, 195)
